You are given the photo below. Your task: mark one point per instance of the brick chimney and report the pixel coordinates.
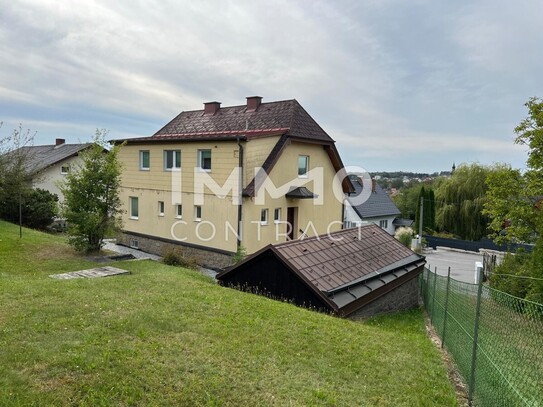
(210, 108)
(373, 186)
(59, 142)
(253, 102)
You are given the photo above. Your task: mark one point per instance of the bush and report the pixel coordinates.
(405, 236)
(241, 253)
(39, 208)
(504, 278)
(176, 257)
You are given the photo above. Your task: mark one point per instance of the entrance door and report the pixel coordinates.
(292, 222)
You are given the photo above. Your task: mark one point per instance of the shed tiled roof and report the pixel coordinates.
(378, 204)
(345, 268)
(346, 257)
(41, 157)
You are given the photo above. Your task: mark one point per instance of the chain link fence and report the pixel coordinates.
(495, 339)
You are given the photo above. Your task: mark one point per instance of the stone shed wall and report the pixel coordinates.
(207, 258)
(402, 298)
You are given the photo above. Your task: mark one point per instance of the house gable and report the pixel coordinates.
(275, 280)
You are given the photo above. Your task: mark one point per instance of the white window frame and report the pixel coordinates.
(174, 167)
(137, 201)
(264, 216)
(383, 224)
(306, 158)
(277, 215)
(200, 160)
(62, 169)
(161, 208)
(197, 216)
(142, 168)
(179, 211)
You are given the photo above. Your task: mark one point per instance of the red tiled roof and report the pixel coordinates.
(272, 118)
(284, 115)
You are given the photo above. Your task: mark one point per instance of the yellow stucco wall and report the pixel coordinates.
(218, 224)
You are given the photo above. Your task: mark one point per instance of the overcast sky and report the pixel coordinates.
(400, 85)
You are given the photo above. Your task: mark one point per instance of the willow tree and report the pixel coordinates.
(460, 200)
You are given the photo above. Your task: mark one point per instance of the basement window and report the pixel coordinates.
(64, 169)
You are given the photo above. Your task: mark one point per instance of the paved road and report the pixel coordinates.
(462, 264)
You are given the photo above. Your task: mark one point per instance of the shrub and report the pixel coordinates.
(405, 236)
(241, 252)
(176, 257)
(39, 208)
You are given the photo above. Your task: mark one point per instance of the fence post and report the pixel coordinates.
(433, 297)
(446, 307)
(475, 337)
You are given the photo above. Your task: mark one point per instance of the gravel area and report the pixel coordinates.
(111, 245)
(138, 254)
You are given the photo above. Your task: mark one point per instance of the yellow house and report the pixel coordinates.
(222, 178)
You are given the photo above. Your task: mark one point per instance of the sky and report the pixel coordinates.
(400, 85)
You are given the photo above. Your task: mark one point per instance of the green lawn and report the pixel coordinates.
(170, 336)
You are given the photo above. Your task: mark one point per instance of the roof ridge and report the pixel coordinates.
(240, 106)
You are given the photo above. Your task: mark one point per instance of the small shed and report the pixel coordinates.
(355, 273)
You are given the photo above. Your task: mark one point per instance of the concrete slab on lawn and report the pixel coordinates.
(106, 271)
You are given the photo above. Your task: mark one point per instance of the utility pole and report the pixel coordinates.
(20, 214)
(421, 216)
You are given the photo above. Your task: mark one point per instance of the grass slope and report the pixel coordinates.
(169, 336)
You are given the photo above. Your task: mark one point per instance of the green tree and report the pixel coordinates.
(406, 201)
(460, 200)
(514, 204)
(15, 171)
(428, 197)
(92, 203)
(38, 208)
(431, 205)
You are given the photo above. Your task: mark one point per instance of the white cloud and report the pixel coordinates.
(412, 78)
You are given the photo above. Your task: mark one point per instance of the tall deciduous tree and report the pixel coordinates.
(460, 200)
(91, 192)
(428, 212)
(515, 199)
(15, 171)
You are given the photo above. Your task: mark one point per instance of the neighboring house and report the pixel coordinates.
(353, 273)
(167, 206)
(49, 164)
(378, 208)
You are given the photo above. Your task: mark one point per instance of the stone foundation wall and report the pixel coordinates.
(402, 298)
(205, 258)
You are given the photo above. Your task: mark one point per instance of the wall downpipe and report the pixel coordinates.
(240, 191)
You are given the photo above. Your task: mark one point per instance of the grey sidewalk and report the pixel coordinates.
(110, 244)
